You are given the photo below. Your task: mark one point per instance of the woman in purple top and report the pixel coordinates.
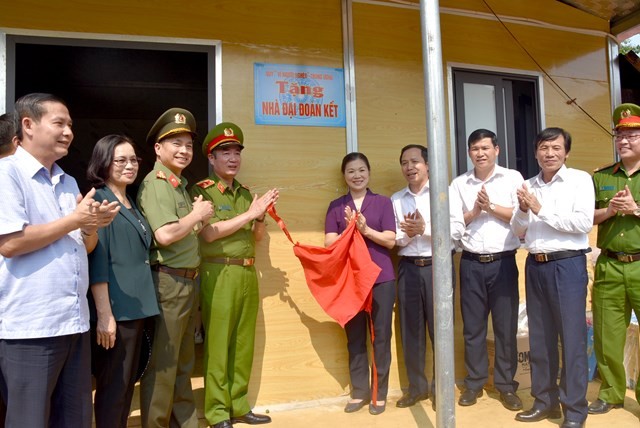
(376, 223)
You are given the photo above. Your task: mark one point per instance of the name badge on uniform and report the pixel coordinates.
(224, 208)
(607, 188)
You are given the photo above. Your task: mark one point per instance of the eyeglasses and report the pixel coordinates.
(122, 162)
(632, 138)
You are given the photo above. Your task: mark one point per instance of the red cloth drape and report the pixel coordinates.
(340, 277)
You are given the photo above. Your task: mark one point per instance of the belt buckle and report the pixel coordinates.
(247, 262)
(541, 257)
(419, 262)
(485, 258)
(625, 258)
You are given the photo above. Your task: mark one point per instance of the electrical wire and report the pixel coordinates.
(570, 100)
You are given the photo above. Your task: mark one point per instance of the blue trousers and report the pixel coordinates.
(556, 305)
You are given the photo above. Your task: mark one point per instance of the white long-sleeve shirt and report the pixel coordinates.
(566, 214)
(405, 202)
(487, 233)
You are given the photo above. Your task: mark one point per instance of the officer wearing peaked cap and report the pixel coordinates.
(228, 254)
(616, 289)
(175, 221)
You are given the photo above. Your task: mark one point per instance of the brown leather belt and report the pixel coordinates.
(229, 261)
(557, 255)
(182, 272)
(488, 258)
(622, 257)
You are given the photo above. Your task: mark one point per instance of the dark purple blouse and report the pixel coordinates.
(378, 211)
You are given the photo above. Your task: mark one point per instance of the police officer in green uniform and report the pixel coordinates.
(166, 397)
(228, 283)
(616, 289)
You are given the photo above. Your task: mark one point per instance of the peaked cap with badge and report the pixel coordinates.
(223, 134)
(173, 121)
(626, 116)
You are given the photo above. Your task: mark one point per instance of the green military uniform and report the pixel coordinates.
(616, 289)
(229, 304)
(166, 397)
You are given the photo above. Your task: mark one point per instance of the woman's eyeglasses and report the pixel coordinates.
(122, 162)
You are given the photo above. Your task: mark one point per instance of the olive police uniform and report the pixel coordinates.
(228, 292)
(166, 397)
(616, 289)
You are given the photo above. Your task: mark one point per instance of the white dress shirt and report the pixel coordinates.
(566, 214)
(487, 233)
(405, 202)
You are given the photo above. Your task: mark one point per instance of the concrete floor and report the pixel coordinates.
(488, 412)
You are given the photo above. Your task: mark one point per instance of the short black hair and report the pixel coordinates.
(354, 156)
(30, 106)
(480, 134)
(550, 134)
(7, 132)
(423, 151)
(102, 157)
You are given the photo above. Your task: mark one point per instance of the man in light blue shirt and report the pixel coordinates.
(46, 231)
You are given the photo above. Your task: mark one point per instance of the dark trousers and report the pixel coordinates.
(384, 297)
(556, 305)
(490, 288)
(415, 299)
(47, 381)
(115, 372)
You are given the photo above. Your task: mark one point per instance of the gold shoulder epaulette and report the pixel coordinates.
(161, 175)
(205, 183)
(605, 167)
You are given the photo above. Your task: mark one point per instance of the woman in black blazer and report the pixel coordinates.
(122, 291)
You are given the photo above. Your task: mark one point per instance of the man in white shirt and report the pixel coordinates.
(555, 213)
(488, 270)
(411, 207)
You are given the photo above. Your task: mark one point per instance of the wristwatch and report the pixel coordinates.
(492, 206)
(636, 212)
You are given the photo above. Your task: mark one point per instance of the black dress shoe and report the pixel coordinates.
(376, 409)
(469, 397)
(409, 400)
(572, 424)
(535, 415)
(354, 407)
(511, 401)
(251, 419)
(600, 407)
(223, 424)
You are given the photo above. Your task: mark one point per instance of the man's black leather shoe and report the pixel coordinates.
(535, 415)
(223, 424)
(469, 397)
(409, 400)
(600, 407)
(511, 401)
(572, 424)
(251, 419)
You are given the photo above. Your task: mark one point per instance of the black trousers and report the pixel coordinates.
(384, 297)
(415, 298)
(490, 288)
(48, 381)
(556, 305)
(115, 372)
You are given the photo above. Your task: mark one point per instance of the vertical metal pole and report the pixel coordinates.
(349, 76)
(439, 198)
